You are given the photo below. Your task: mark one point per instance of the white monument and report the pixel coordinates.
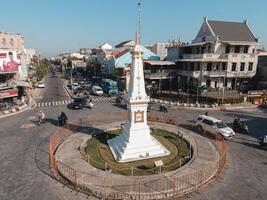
(136, 142)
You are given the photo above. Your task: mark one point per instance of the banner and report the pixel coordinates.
(8, 61)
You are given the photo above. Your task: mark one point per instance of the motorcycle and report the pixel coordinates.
(163, 108)
(240, 126)
(62, 119)
(263, 141)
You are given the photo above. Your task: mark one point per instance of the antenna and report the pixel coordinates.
(138, 35)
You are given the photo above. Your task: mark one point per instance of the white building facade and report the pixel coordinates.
(223, 55)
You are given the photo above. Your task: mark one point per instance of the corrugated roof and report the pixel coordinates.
(123, 43)
(232, 31)
(120, 53)
(159, 62)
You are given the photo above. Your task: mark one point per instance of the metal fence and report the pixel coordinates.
(157, 187)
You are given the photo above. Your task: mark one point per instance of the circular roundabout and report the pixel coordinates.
(83, 159)
(97, 152)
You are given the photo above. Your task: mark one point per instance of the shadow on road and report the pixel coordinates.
(122, 106)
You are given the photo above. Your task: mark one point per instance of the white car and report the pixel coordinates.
(213, 125)
(41, 85)
(96, 90)
(75, 86)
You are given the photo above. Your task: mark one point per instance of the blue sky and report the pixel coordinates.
(53, 26)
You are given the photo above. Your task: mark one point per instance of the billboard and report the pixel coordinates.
(8, 61)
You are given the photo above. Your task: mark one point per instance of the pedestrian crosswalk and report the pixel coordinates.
(68, 101)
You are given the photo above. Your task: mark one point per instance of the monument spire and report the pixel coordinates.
(138, 31)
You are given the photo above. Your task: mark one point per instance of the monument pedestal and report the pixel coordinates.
(140, 145)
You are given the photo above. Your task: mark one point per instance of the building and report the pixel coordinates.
(122, 59)
(85, 51)
(160, 49)
(261, 75)
(11, 41)
(128, 44)
(223, 55)
(9, 71)
(105, 46)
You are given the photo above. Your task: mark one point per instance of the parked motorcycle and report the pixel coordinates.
(263, 142)
(240, 126)
(163, 108)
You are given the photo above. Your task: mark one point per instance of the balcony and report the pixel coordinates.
(214, 73)
(216, 56)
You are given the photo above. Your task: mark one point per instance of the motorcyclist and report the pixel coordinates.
(62, 118)
(41, 117)
(90, 102)
(236, 122)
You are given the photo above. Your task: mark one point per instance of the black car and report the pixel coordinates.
(79, 102)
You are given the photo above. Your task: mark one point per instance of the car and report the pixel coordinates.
(87, 84)
(75, 86)
(79, 102)
(41, 85)
(96, 90)
(214, 126)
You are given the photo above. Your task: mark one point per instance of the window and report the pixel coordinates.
(227, 49)
(192, 67)
(198, 66)
(3, 41)
(209, 47)
(253, 51)
(250, 66)
(237, 49)
(197, 50)
(209, 66)
(233, 67)
(208, 122)
(11, 41)
(223, 66)
(203, 39)
(245, 49)
(242, 67)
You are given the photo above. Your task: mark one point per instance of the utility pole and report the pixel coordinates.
(220, 67)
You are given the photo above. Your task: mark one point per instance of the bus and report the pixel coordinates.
(109, 86)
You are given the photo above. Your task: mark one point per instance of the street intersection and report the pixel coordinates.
(24, 168)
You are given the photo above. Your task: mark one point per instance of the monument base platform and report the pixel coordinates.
(125, 150)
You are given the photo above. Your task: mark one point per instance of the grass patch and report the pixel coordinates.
(99, 153)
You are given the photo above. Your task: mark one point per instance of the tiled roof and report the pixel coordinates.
(232, 31)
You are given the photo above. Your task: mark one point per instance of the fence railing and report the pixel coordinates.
(159, 187)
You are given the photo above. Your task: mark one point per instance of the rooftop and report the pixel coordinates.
(232, 31)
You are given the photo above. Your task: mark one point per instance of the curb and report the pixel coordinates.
(201, 106)
(15, 111)
(185, 105)
(67, 90)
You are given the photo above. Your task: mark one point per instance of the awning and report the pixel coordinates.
(23, 83)
(159, 62)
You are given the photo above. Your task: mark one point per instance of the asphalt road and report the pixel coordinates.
(53, 89)
(24, 172)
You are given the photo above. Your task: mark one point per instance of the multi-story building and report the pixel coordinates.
(223, 55)
(160, 49)
(11, 41)
(261, 75)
